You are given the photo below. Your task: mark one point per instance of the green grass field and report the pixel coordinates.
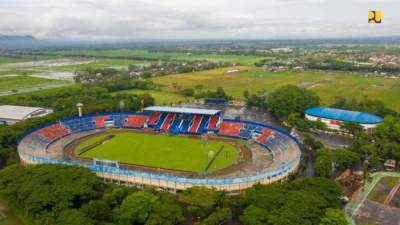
(161, 98)
(24, 58)
(119, 64)
(326, 85)
(19, 83)
(154, 56)
(170, 152)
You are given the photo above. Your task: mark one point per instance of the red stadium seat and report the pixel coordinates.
(136, 121)
(230, 128)
(170, 117)
(53, 132)
(264, 135)
(195, 124)
(154, 118)
(212, 123)
(99, 121)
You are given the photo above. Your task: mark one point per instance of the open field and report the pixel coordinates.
(120, 64)
(24, 58)
(21, 83)
(326, 85)
(161, 98)
(170, 152)
(153, 56)
(14, 99)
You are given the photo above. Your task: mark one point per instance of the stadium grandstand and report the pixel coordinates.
(334, 118)
(182, 120)
(47, 144)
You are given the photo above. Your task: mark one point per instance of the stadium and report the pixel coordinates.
(170, 148)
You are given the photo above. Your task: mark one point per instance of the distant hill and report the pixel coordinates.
(16, 38)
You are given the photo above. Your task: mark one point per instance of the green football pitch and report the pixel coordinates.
(163, 151)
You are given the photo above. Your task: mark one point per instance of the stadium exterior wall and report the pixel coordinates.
(132, 178)
(335, 124)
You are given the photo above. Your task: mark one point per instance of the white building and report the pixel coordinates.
(334, 118)
(11, 114)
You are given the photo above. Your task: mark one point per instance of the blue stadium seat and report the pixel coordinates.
(203, 124)
(185, 125)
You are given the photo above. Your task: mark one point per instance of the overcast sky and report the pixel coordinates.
(187, 19)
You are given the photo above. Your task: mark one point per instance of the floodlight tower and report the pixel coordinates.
(79, 106)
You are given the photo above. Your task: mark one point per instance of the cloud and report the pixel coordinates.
(178, 19)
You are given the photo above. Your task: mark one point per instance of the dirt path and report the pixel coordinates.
(7, 217)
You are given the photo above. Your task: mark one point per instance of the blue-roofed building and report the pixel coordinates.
(334, 118)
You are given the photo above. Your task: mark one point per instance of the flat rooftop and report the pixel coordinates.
(14, 112)
(182, 110)
(344, 115)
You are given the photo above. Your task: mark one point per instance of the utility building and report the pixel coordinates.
(334, 118)
(11, 114)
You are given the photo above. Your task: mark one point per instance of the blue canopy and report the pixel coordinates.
(344, 115)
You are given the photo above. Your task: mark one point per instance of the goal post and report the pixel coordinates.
(105, 162)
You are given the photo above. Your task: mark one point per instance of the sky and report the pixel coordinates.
(197, 19)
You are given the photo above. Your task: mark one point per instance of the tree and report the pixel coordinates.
(253, 215)
(352, 128)
(44, 191)
(301, 201)
(132, 67)
(165, 214)
(246, 94)
(188, 92)
(320, 186)
(136, 208)
(73, 217)
(333, 217)
(143, 207)
(344, 158)
(200, 200)
(311, 142)
(301, 207)
(97, 210)
(219, 216)
(291, 99)
(340, 103)
(323, 163)
(371, 151)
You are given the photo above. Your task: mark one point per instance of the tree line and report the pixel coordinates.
(65, 195)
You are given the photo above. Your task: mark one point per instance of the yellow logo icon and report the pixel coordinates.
(374, 16)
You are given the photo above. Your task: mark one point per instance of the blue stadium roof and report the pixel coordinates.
(344, 115)
(182, 110)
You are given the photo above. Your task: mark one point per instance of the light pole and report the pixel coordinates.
(79, 106)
